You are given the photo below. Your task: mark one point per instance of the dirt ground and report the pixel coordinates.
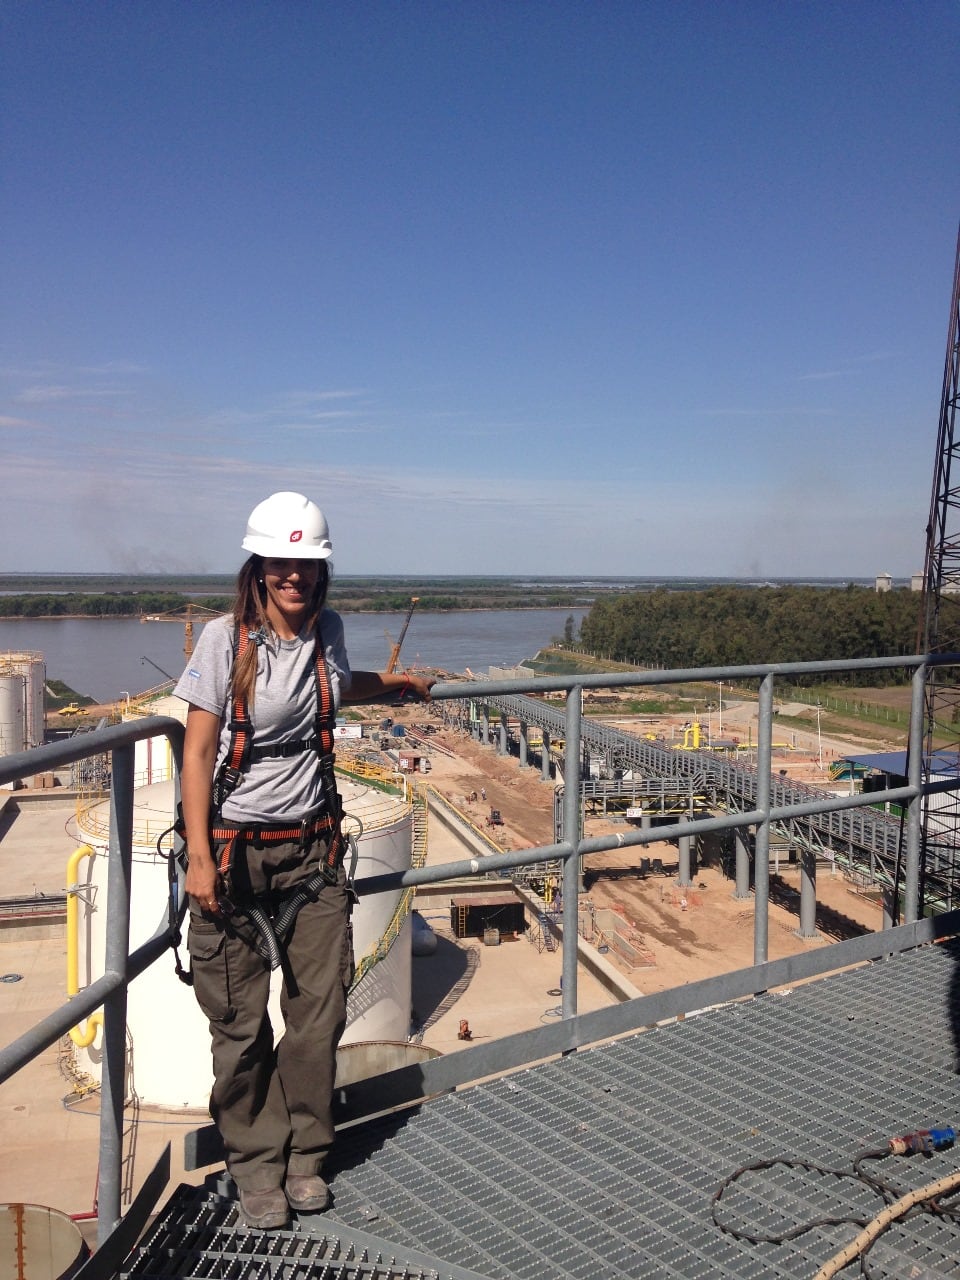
(680, 936)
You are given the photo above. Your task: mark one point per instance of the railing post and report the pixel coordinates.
(571, 864)
(113, 1083)
(911, 876)
(761, 871)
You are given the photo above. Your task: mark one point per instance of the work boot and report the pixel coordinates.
(264, 1210)
(307, 1193)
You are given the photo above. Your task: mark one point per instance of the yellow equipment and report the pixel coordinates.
(691, 738)
(395, 651)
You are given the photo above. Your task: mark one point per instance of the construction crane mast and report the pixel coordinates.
(395, 651)
(187, 615)
(940, 629)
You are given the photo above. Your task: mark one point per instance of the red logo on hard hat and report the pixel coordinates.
(296, 535)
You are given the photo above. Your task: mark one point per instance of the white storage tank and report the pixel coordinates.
(13, 713)
(37, 1243)
(153, 757)
(169, 1057)
(32, 668)
(379, 1004)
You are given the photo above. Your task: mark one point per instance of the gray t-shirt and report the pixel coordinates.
(284, 709)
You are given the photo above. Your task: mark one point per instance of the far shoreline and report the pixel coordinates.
(460, 608)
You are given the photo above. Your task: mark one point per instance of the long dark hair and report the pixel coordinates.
(249, 609)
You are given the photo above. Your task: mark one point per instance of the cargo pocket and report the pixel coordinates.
(211, 977)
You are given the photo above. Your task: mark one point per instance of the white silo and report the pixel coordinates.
(13, 713)
(32, 668)
(169, 1043)
(379, 1004)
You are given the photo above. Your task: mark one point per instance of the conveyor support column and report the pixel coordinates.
(808, 894)
(523, 744)
(545, 756)
(889, 905)
(504, 748)
(742, 889)
(683, 879)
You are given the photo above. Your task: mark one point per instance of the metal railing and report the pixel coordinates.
(110, 990)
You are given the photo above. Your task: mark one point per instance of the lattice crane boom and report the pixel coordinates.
(395, 651)
(939, 630)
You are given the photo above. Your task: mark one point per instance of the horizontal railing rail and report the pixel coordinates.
(121, 967)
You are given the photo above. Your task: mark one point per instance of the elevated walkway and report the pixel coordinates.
(865, 840)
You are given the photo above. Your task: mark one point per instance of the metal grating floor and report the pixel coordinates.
(199, 1234)
(604, 1163)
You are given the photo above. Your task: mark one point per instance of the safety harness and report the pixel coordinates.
(243, 752)
(235, 896)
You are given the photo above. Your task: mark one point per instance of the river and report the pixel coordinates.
(104, 658)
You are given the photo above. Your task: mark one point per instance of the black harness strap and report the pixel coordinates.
(325, 724)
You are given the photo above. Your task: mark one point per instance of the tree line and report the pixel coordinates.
(345, 595)
(108, 605)
(734, 626)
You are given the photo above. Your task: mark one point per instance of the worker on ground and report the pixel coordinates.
(265, 873)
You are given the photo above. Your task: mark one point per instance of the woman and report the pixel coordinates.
(265, 872)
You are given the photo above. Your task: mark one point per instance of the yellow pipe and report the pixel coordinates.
(691, 737)
(82, 1039)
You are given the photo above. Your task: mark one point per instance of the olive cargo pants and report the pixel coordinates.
(272, 1102)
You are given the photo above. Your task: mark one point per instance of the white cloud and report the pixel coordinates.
(53, 394)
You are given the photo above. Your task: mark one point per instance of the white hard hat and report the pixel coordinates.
(288, 526)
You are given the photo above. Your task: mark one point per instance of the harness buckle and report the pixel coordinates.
(226, 904)
(227, 781)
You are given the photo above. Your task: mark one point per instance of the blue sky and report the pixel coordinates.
(566, 288)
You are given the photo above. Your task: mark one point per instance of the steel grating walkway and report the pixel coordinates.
(604, 1163)
(199, 1234)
